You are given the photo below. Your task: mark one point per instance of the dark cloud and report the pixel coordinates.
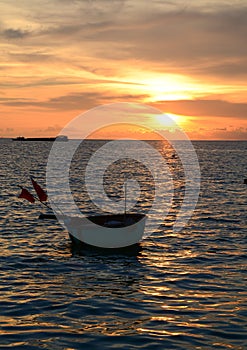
(235, 68)
(76, 101)
(205, 108)
(87, 100)
(70, 81)
(35, 56)
(15, 33)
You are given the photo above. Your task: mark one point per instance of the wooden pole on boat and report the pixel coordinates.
(43, 203)
(125, 196)
(125, 189)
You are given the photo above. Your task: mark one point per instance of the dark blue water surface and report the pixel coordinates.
(180, 291)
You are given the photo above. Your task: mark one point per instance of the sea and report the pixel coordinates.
(178, 290)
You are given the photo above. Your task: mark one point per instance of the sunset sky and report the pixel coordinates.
(62, 57)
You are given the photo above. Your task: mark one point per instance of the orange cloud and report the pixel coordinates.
(66, 57)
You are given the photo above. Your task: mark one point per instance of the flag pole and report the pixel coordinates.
(125, 197)
(47, 206)
(125, 191)
(42, 194)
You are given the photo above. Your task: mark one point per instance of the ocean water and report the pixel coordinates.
(183, 290)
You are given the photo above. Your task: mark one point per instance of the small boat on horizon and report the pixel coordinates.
(61, 138)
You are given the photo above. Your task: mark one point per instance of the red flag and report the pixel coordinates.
(26, 195)
(40, 192)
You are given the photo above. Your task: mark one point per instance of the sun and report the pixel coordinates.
(169, 121)
(167, 88)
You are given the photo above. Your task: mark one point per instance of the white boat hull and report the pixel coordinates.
(109, 231)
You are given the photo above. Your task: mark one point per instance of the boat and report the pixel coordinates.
(104, 231)
(61, 138)
(109, 231)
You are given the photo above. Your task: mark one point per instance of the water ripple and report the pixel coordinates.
(180, 291)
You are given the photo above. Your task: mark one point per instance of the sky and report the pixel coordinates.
(59, 58)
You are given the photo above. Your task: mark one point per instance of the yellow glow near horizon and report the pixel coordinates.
(161, 120)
